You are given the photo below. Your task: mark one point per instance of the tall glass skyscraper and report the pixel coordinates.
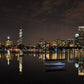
(81, 36)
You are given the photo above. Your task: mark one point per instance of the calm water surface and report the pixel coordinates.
(31, 68)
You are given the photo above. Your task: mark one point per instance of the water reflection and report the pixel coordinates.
(75, 56)
(53, 55)
(20, 62)
(57, 60)
(9, 58)
(80, 65)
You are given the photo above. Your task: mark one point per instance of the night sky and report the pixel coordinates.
(48, 19)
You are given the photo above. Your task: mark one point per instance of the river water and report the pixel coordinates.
(31, 68)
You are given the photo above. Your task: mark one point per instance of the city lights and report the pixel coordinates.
(42, 41)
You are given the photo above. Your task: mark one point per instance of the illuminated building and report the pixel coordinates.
(81, 36)
(42, 43)
(70, 43)
(20, 36)
(8, 42)
(58, 41)
(62, 43)
(1, 43)
(47, 44)
(76, 41)
(53, 43)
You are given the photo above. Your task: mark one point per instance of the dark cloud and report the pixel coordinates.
(44, 18)
(75, 14)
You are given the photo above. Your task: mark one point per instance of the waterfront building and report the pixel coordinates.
(41, 43)
(53, 44)
(8, 42)
(81, 36)
(76, 40)
(58, 41)
(62, 43)
(1, 43)
(20, 36)
(70, 43)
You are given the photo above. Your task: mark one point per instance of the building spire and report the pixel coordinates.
(20, 36)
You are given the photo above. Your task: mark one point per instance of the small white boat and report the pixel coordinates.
(54, 63)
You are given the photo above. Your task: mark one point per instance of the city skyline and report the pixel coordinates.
(19, 41)
(48, 19)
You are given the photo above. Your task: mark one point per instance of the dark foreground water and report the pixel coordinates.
(30, 69)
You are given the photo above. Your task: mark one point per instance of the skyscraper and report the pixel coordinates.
(70, 43)
(76, 40)
(8, 42)
(81, 36)
(20, 36)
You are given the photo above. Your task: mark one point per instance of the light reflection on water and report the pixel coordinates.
(33, 60)
(66, 56)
